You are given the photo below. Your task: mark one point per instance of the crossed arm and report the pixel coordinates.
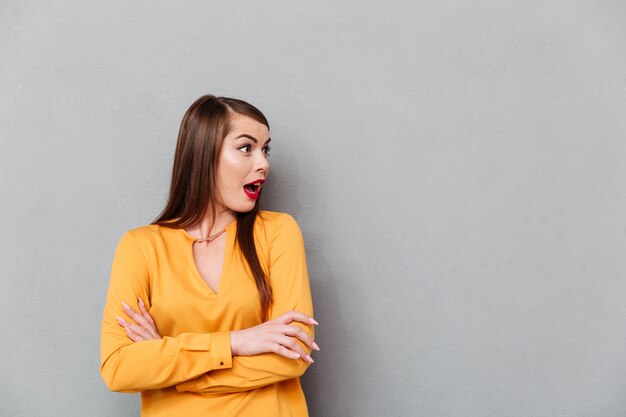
(274, 336)
(265, 354)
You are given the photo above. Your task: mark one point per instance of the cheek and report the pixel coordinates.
(230, 172)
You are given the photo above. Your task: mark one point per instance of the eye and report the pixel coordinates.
(266, 150)
(245, 148)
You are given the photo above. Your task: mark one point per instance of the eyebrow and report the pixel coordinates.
(252, 138)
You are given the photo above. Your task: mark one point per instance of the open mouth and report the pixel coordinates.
(252, 189)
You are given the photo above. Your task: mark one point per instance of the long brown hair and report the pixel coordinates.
(194, 178)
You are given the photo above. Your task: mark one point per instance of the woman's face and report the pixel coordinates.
(243, 164)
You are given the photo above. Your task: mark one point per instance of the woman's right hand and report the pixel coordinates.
(277, 336)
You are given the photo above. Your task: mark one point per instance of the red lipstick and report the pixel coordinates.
(252, 188)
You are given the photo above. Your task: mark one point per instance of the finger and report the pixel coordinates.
(138, 331)
(144, 333)
(144, 312)
(293, 315)
(126, 326)
(283, 351)
(135, 329)
(137, 318)
(133, 336)
(123, 323)
(298, 332)
(148, 317)
(292, 345)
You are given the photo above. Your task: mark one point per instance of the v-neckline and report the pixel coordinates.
(189, 241)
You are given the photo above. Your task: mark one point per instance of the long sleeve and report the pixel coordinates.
(290, 285)
(128, 366)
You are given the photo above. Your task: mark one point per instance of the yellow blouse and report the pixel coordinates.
(191, 371)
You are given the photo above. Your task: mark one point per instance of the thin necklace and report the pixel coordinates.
(210, 238)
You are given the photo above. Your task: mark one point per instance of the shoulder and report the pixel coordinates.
(280, 229)
(148, 235)
(142, 233)
(276, 222)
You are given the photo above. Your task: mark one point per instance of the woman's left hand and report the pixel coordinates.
(144, 329)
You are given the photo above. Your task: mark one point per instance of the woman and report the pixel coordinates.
(209, 309)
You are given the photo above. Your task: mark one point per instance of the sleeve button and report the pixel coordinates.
(221, 363)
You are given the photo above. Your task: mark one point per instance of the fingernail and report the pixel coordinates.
(296, 356)
(140, 301)
(315, 346)
(310, 359)
(312, 320)
(120, 320)
(124, 305)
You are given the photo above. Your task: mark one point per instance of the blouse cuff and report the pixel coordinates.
(220, 350)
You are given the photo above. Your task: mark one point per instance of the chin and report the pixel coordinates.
(243, 208)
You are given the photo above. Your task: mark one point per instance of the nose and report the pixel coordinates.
(261, 163)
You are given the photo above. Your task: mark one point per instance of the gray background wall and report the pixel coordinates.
(457, 168)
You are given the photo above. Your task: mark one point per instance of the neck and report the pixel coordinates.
(209, 226)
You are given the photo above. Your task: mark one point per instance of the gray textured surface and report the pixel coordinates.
(458, 170)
